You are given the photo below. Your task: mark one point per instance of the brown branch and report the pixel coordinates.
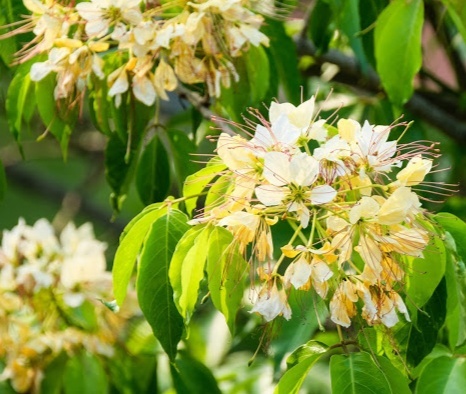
(350, 73)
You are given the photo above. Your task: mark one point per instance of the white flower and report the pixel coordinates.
(290, 181)
(84, 258)
(100, 14)
(397, 207)
(271, 303)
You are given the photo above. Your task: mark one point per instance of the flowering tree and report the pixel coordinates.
(304, 220)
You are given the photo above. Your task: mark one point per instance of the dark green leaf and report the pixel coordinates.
(350, 25)
(118, 170)
(84, 373)
(153, 173)
(368, 13)
(155, 293)
(285, 59)
(2, 182)
(53, 382)
(423, 335)
(444, 375)
(192, 377)
(398, 47)
(321, 29)
(181, 150)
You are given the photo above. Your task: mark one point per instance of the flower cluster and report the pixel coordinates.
(157, 44)
(352, 224)
(48, 285)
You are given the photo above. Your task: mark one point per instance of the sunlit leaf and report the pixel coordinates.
(398, 48)
(300, 363)
(425, 273)
(226, 269)
(187, 269)
(128, 250)
(155, 293)
(197, 182)
(358, 373)
(444, 375)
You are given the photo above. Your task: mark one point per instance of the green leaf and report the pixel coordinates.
(455, 275)
(225, 269)
(181, 149)
(321, 29)
(457, 11)
(153, 173)
(369, 10)
(197, 182)
(192, 377)
(398, 47)
(99, 106)
(155, 293)
(302, 361)
(284, 57)
(258, 70)
(52, 382)
(187, 269)
(429, 321)
(130, 244)
(2, 182)
(425, 273)
(20, 101)
(119, 169)
(358, 373)
(51, 115)
(218, 192)
(84, 373)
(444, 375)
(457, 228)
(349, 23)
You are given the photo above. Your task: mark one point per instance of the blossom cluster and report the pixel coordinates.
(353, 225)
(158, 44)
(47, 285)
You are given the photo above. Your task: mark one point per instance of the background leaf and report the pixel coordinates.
(398, 47)
(153, 172)
(84, 373)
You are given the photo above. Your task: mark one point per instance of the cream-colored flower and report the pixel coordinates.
(290, 184)
(414, 172)
(272, 302)
(101, 14)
